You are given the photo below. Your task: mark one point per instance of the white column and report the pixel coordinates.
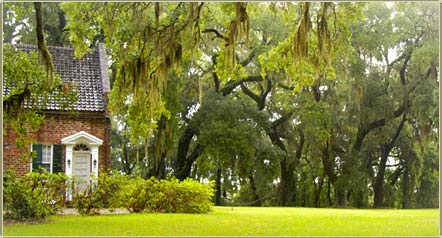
(68, 165)
(69, 161)
(94, 152)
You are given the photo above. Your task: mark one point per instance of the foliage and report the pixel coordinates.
(102, 194)
(137, 193)
(140, 195)
(19, 24)
(305, 104)
(170, 196)
(191, 196)
(144, 49)
(33, 197)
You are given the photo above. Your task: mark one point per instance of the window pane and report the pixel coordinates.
(46, 154)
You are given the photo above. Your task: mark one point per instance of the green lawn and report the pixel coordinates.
(243, 221)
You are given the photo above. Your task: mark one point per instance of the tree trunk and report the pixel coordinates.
(359, 198)
(183, 165)
(218, 187)
(330, 202)
(318, 189)
(340, 196)
(378, 187)
(406, 195)
(328, 168)
(287, 184)
(158, 168)
(283, 184)
(127, 167)
(41, 42)
(256, 199)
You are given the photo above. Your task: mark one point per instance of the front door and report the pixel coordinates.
(81, 170)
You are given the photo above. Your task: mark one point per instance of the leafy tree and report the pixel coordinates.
(19, 24)
(397, 82)
(311, 104)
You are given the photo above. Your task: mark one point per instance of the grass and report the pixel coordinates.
(243, 221)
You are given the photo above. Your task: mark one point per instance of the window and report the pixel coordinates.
(81, 147)
(47, 156)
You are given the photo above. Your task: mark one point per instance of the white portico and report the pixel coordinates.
(81, 158)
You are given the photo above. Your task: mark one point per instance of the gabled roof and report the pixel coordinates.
(89, 73)
(81, 137)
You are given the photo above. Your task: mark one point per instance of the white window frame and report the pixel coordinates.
(51, 155)
(30, 163)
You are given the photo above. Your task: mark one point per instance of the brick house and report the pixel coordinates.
(78, 143)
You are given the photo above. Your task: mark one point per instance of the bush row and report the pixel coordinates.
(145, 195)
(34, 196)
(38, 195)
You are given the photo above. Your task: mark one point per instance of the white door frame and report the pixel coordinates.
(92, 142)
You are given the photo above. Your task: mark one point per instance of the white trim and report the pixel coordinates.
(94, 157)
(82, 137)
(89, 140)
(52, 158)
(30, 167)
(68, 169)
(51, 155)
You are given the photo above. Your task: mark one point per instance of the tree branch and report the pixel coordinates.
(41, 39)
(235, 83)
(281, 120)
(395, 175)
(252, 95)
(217, 33)
(214, 74)
(390, 145)
(259, 99)
(404, 67)
(249, 58)
(364, 130)
(301, 143)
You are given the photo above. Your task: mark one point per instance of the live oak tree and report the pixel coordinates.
(306, 104)
(397, 81)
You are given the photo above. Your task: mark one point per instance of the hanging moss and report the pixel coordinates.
(238, 29)
(300, 42)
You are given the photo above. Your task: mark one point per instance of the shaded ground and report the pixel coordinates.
(73, 211)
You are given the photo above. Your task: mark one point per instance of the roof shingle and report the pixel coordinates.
(89, 73)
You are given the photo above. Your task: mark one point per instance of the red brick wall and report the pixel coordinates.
(54, 128)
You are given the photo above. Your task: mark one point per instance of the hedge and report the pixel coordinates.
(145, 195)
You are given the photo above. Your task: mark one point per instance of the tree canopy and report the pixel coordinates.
(280, 103)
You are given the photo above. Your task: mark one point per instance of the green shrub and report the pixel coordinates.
(34, 196)
(139, 195)
(51, 186)
(172, 196)
(186, 196)
(155, 199)
(102, 194)
(135, 195)
(86, 204)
